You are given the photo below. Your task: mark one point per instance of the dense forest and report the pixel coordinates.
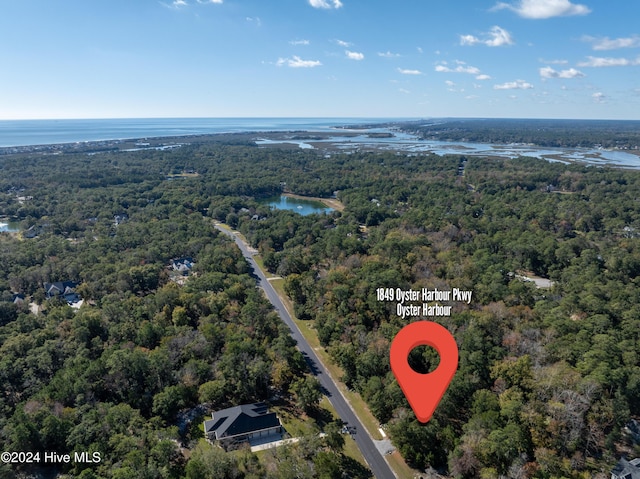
(548, 377)
(550, 133)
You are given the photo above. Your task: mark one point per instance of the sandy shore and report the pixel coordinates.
(330, 202)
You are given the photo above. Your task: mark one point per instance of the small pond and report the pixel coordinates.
(10, 226)
(303, 207)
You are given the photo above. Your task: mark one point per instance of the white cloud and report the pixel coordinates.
(451, 86)
(343, 43)
(461, 68)
(297, 62)
(255, 20)
(183, 3)
(606, 43)
(499, 37)
(496, 37)
(609, 62)
(388, 54)
(483, 77)
(299, 42)
(553, 62)
(469, 40)
(325, 4)
(539, 9)
(548, 72)
(599, 97)
(354, 55)
(409, 72)
(402, 90)
(514, 85)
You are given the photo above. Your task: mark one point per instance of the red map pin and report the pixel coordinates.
(424, 391)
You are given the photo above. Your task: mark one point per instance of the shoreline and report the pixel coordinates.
(291, 138)
(64, 133)
(162, 142)
(330, 202)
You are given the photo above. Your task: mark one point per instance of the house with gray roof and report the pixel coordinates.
(62, 289)
(182, 265)
(235, 425)
(626, 469)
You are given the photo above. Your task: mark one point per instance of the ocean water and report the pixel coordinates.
(45, 132)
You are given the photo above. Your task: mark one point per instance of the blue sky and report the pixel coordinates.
(319, 58)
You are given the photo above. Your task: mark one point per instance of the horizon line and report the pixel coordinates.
(383, 118)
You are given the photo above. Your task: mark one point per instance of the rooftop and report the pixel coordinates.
(239, 420)
(626, 469)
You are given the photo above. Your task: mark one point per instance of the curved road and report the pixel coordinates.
(375, 460)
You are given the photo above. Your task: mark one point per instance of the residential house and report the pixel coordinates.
(17, 298)
(626, 469)
(632, 429)
(182, 265)
(120, 218)
(32, 232)
(64, 289)
(233, 426)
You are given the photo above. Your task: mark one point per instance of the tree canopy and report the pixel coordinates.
(547, 378)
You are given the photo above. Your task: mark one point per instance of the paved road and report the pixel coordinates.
(376, 461)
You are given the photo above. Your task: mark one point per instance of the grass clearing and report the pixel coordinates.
(396, 461)
(298, 424)
(350, 447)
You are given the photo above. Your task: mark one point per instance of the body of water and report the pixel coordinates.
(9, 226)
(300, 206)
(20, 133)
(410, 144)
(47, 132)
